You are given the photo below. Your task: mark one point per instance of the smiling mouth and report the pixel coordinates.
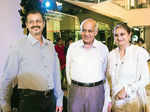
(87, 37)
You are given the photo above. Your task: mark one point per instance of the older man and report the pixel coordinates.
(33, 61)
(85, 67)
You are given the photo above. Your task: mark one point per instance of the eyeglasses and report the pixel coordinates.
(121, 34)
(89, 31)
(32, 22)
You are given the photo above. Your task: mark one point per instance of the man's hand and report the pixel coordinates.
(59, 109)
(109, 107)
(121, 94)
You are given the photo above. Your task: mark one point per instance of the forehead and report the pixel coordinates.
(89, 25)
(120, 29)
(60, 40)
(34, 16)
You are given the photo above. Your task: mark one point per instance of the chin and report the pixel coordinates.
(86, 42)
(119, 44)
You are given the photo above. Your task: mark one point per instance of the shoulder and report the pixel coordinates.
(139, 49)
(16, 46)
(100, 44)
(50, 43)
(141, 52)
(113, 52)
(19, 43)
(75, 44)
(102, 47)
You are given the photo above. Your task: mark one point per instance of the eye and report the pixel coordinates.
(90, 31)
(30, 22)
(83, 30)
(38, 21)
(116, 35)
(122, 34)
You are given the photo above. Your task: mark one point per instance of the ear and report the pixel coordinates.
(130, 36)
(96, 32)
(26, 24)
(44, 23)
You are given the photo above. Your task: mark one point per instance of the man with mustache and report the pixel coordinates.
(34, 63)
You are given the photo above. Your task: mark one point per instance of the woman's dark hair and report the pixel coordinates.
(124, 26)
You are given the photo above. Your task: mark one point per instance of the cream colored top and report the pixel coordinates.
(130, 72)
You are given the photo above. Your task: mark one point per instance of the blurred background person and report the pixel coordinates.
(128, 69)
(68, 42)
(141, 43)
(60, 49)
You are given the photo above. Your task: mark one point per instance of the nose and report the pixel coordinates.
(119, 36)
(87, 32)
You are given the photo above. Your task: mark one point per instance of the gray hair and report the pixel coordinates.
(83, 22)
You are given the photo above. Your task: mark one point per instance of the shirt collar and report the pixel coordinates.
(94, 45)
(34, 41)
(127, 48)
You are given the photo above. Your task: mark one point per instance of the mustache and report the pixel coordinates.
(35, 27)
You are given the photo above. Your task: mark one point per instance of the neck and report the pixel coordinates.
(122, 50)
(39, 38)
(59, 45)
(124, 46)
(87, 46)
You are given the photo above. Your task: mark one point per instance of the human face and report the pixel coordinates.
(140, 43)
(122, 37)
(88, 32)
(35, 24)
(60, 42)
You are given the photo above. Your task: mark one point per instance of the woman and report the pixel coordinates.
(128, 69)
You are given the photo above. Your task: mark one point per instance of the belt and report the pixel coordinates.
(88, 84)
(29, 92)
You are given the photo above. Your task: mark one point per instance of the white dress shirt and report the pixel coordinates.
(88, 65)
(130, 72)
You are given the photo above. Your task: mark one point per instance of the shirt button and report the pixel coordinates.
(43, 56)
(45, 66)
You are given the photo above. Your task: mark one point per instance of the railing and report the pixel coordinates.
(142, 4)
(128, 4)
(92, 1)
(133, 4)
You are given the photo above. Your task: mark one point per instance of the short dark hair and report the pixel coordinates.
(140, 40)
(124, 26)
(58, 39)
(34, 12)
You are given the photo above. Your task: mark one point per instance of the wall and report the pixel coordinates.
(147, 37)
(10, 27)
(138, 17)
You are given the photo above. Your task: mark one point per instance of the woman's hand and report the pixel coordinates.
(109, 107)
(121, 94)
